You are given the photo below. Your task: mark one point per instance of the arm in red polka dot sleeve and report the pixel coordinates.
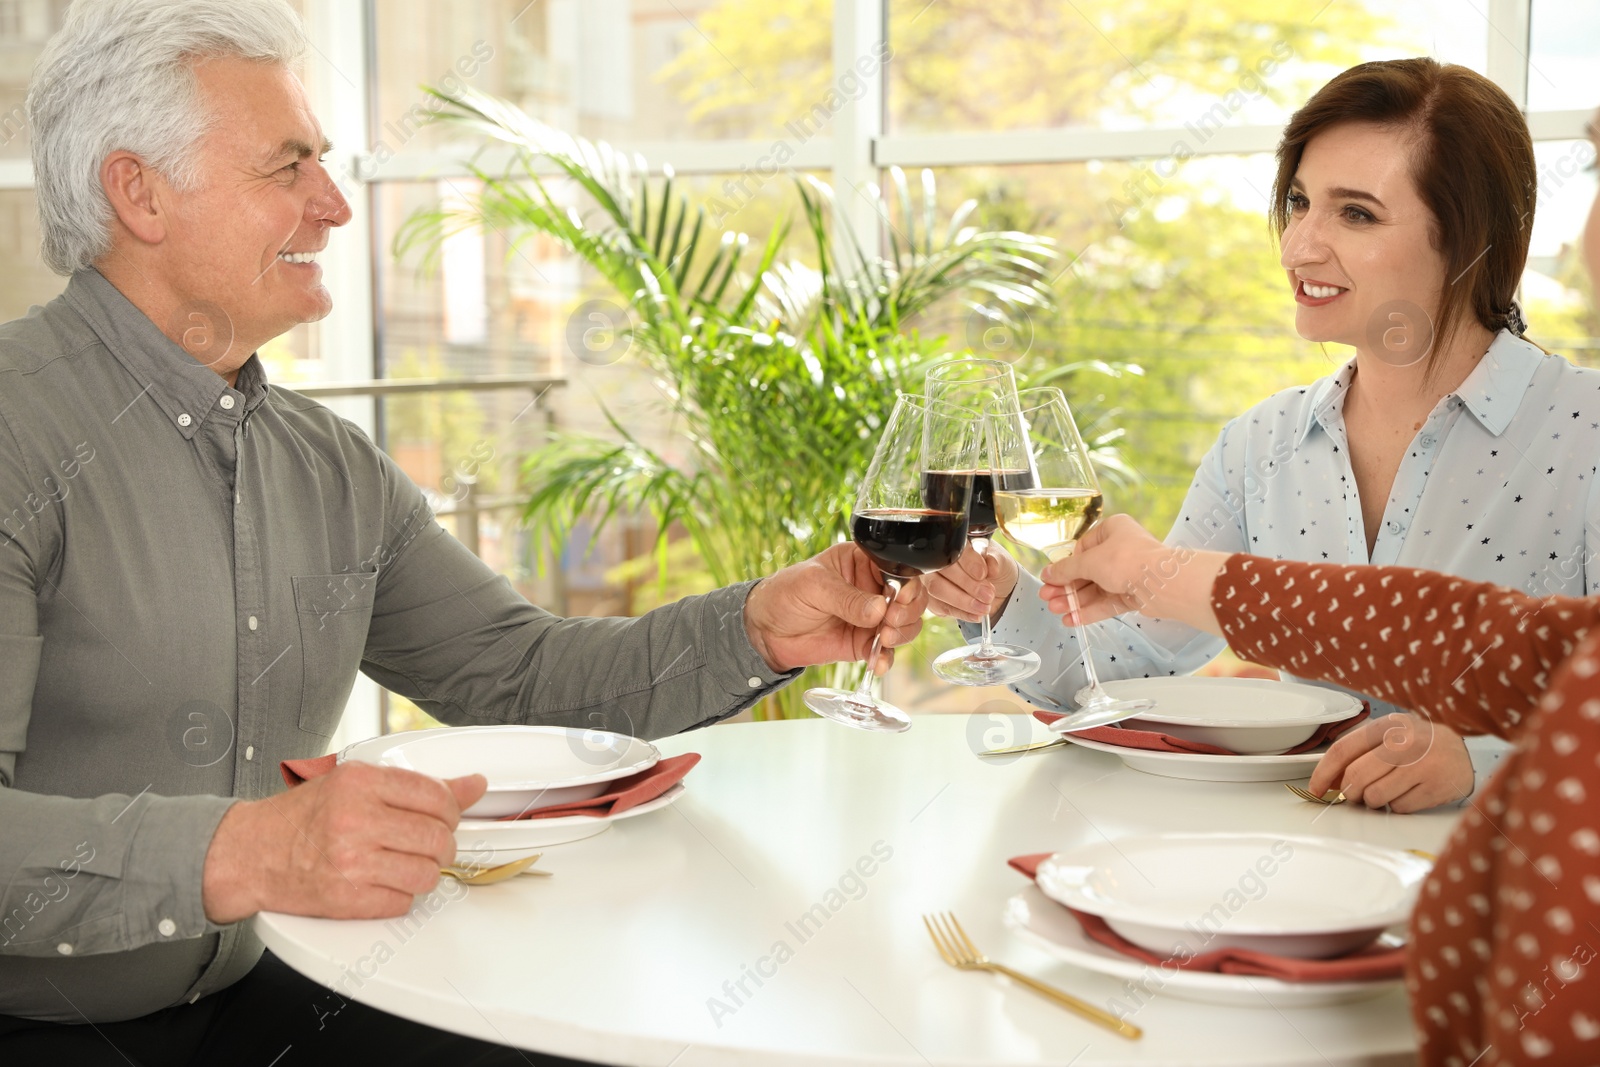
(1504, 964)
(1471, 655)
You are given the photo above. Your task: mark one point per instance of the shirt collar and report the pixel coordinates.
(1492, 392)
(186, 391)
(1325, 405)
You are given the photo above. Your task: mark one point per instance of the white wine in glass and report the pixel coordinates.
(1046, 496)
(1049, 520)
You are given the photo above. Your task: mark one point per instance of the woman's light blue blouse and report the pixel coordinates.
(1498, 485)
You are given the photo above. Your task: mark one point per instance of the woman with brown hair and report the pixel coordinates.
(1403, 202)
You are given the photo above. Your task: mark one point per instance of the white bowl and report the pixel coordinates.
(528, 767)
(1249, 716)
(1289, 895)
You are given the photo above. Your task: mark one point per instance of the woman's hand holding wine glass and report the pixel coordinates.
(1120, 566)
(977, 586)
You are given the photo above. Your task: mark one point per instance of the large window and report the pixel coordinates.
(1564, 55)
(618, 70)
(984, 65)
(1137, 135)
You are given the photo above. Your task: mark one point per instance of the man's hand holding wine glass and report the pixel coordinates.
(828, 609)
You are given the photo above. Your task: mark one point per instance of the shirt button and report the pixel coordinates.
(64, 948)
(226, 402)
(184, 419)
(250, 752)
(167, 927)
(1428, 440)
(253, 623)
(1394, 527)
(755, 683)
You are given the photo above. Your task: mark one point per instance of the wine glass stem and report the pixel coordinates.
(1082, 631)
(980, 545)
(864, 689)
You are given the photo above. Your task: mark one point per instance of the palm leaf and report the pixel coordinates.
(779, 376)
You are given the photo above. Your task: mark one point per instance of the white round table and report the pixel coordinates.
(634, 953)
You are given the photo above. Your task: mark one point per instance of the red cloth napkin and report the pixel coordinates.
(1370, 964)
(620, 795)
(1159, 742)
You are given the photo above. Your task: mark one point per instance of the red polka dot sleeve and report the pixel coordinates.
(1503, 965)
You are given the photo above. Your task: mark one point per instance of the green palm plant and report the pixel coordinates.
(779, 375)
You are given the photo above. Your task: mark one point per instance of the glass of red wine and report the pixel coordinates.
(910, 518)
(974, 384)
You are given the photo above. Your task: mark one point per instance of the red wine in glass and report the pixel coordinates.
(983, 522)
(974, 384)
(906, 542)
(909, 519)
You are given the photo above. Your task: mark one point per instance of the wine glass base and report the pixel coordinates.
(1000, 665)
(1103, 712)
(844, 706)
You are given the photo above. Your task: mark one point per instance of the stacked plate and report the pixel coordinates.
(1260, 719)
(528, 768)
(1180, 895)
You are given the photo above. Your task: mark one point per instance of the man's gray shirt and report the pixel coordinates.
(190, 576)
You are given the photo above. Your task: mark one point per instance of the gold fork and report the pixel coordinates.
(1306, 794)
(957, 949)
(491, 875)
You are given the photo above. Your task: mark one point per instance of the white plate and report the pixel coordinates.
(1287, 894)
(1047, 925)
(1250, 716)
(1202, 768)
(527, 766)
(503, 842)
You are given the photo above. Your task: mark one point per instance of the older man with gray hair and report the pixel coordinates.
(181, 540)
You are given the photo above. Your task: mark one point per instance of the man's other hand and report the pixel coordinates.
(357, 843)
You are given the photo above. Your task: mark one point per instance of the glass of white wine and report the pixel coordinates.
(1046, 496)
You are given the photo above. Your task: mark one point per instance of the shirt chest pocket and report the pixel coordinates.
(334, 612)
